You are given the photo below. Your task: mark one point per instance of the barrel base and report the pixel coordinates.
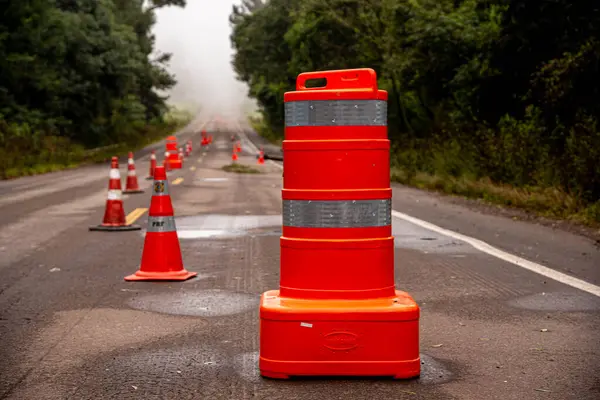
(375, 337)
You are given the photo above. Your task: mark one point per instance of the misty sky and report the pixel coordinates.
(198, 37)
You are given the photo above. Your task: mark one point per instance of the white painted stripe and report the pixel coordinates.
(495, 252)
(253, 149)
(510, 258)
(114, 174)
(114, 195)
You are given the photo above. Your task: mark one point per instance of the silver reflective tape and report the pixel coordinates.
(161, 224)
(336, 113)
(114, 174)
(160, 188)
(337, 213)
(114, 195)
(131, 172)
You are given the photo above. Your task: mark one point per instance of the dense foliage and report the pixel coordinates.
(77, 74)
(502, 89)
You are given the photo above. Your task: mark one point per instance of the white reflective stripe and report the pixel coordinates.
(131, 172)
(114, 174)
(130, 161)
(114, 195)
(153, 157)
(336, 113)
(161, 224)
(337, 213)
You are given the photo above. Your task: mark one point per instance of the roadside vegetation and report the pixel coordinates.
(490, 99)
(240, 169)
(80, 81)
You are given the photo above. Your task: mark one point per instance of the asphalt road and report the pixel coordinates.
(492, 325)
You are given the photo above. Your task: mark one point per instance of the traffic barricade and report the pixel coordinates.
(337, 311)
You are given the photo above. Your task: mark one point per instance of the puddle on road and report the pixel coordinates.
(558, 301)
(432, 371)
(205, 234)
(410, 236)
(200, 303)
(215, 179)
(221, 226)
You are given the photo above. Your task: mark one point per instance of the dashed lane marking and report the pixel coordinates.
(192, 168)
(134, 215)
(178, 181)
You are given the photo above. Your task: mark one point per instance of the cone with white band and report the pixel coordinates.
(114, 214)
(181, 155)
(152, 166)
(161, 257)
(166, 162)
(132, 185)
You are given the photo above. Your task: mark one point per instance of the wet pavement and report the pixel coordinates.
(73, 329)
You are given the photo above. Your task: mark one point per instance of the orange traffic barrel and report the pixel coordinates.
(174, 160)
(337, 311)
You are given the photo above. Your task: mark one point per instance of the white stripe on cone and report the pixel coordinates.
(114, 174)
(114, 195)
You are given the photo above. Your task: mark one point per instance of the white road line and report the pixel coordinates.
(493, 251)
(253, 148)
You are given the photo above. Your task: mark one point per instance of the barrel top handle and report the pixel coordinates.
(360, 78)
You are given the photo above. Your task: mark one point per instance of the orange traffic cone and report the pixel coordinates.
(161, 257)
(261, 157)
(239, 147)
(181, 155)
(234, 156)
(132, 185)
(152, 166)
(114, 214)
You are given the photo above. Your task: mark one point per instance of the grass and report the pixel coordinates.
(76, 156)
(544, 202)
(264, 130)
(240, 169)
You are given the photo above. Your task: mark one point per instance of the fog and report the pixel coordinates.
(198, 37)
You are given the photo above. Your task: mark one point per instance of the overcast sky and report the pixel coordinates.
(198, 37)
